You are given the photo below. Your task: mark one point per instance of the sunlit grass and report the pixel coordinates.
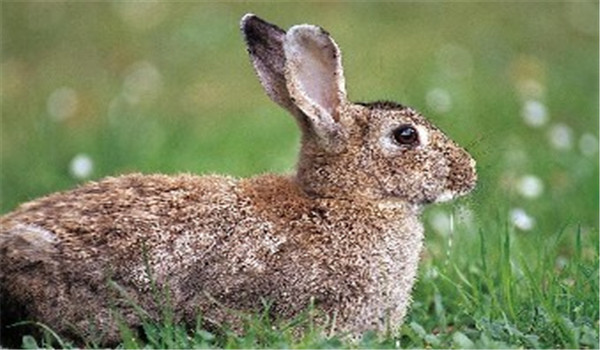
(170, 89)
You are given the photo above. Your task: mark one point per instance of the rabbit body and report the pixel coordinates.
(342, 232)
(217, 243)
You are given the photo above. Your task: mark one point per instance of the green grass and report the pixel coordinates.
(484, 282)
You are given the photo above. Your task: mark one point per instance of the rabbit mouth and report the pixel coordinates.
(450, 194)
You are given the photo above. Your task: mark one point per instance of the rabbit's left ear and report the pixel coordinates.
(315, 77)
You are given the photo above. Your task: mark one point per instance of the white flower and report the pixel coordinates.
(561, 137)
(521, 219)
(534, 113)
(62, 103)
(81, 166)
(530, 186)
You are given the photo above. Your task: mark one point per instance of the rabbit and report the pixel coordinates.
(342, 233)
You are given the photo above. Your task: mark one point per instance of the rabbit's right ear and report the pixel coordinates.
(265, 47)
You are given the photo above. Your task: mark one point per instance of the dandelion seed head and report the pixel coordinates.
(534, 113)
(81, 166)
(560, 137)
(521, 220)
(530, 186)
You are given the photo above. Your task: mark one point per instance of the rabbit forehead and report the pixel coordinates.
(383, 121)
(389, 113)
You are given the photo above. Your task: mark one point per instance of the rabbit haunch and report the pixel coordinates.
(343, 231)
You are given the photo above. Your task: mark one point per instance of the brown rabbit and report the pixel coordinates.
(344, 230)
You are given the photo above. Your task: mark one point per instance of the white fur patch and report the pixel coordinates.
(446, 196)
(423, 135)
(272, 243)
(391, 204)
(34, 234)
(387, 144)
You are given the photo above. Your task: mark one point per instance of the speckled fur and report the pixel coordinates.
(343, 231)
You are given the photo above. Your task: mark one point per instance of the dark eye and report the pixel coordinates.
(406, 135)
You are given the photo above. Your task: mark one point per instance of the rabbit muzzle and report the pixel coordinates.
(462, 178)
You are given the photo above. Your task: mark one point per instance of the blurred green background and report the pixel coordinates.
(97, 89)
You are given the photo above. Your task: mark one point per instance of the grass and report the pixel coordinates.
(167, 87)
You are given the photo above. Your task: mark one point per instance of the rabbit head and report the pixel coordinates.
(380, 151)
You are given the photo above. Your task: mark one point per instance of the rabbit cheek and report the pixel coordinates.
(433, 179)
(417, 178)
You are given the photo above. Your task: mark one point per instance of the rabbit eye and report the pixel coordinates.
(406, 135)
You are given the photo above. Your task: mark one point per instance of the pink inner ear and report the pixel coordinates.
(315, 68)
(316, 75)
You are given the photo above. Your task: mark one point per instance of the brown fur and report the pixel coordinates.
(343, 231)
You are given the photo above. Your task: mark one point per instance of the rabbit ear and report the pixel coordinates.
(315, 77)
(265, 47)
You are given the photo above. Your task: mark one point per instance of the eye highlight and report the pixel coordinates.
(406, 135)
